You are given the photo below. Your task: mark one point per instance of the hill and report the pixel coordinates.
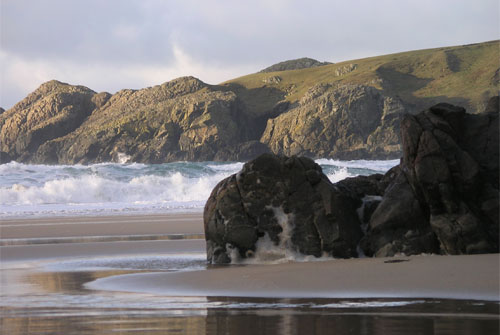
(294, 64)
(348, 110)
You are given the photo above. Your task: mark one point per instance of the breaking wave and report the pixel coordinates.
(113, 188)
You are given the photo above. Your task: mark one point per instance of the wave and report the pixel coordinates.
(27, 190)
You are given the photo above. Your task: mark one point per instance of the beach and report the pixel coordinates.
(152, 269)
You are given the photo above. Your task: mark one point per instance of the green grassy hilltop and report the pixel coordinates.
(347, 110)
(466, 75)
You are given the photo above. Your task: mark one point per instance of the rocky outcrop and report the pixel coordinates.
(443, 198)
(53, 110)
(184, 119)
(343, 70)
(294, 64)
(346, 122)
(288, 201)
(349, 110)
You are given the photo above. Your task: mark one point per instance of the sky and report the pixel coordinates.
(108, 45)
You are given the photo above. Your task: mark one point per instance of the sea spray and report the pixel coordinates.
(113, 188)
(269, 252)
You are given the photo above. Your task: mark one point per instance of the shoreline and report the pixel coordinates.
(474, 277)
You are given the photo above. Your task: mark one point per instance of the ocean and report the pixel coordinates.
(66, 229)
(28, 190)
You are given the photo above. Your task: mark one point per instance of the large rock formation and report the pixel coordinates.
(349, 110)
(287, 200)
(184, 119)
(346, 122)
(443, 197)
(53, 110)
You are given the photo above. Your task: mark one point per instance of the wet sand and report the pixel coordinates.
(47, 265)
(458, 277)
(445, 277)
(70, 237)
(185, 223)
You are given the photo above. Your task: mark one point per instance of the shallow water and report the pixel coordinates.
(50, 298)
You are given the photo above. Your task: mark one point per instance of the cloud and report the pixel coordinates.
(114, 44)
(21, 76)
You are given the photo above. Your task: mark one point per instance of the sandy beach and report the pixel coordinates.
(70, 237)
(458, 277)
(444, 277)
(123, 274)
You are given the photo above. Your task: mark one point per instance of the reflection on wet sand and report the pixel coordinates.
(60, 305)
(42, 288)
(103, 324)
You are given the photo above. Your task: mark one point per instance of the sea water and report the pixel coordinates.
(28, 190)
(49, 296)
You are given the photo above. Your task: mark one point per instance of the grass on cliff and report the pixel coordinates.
(466, 75)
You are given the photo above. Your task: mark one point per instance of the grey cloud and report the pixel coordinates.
(223, 33)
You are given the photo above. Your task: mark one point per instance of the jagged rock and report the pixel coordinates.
(442, 198)
(343, 111)
(184, 119)
(445, 196)
(53, 110)
(2, 110)
(346, 122)
(272, 80)
(343, 70)
(287, 200)
(294, 64)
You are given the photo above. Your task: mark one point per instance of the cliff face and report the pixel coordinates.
(53, 110)
(184, 119)
(349, 110)
(347, 122)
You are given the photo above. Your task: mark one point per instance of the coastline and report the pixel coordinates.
(473, 277)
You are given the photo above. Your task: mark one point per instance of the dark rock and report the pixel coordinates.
(5, 158)
(442, 198)
(445, 196)
(287, 200)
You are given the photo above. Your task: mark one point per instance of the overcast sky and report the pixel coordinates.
(108, 45)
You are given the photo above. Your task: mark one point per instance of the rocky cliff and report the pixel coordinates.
(184, 119)
(349, 110)
(346, 122)
(52, 111)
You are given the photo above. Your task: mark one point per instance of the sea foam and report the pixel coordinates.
(109, 188)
